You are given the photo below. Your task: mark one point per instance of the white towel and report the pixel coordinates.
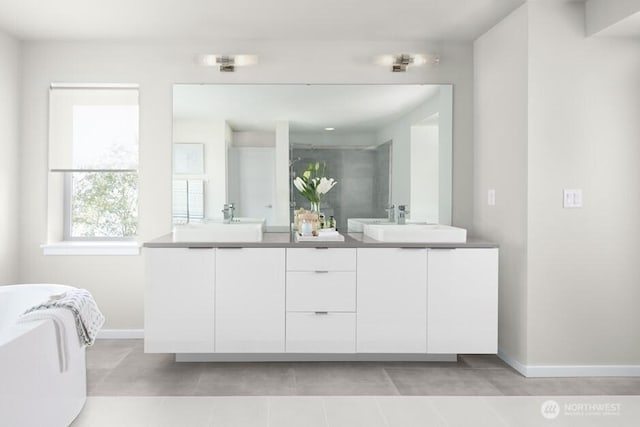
(85, 311)
(62, 321)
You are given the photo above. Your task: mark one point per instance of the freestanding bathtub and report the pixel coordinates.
(33, 389)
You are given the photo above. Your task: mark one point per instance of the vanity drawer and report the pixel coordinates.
(321, 259)
(327, 291)
(321, 332)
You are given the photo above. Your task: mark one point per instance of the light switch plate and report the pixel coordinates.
(572, 198)
(491, 197)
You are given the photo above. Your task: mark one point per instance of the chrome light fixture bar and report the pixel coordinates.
(400, 62)
(226, 63)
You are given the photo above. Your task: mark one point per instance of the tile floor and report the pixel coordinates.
(121, 368)
(382, 411)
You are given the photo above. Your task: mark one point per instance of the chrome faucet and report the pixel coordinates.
(228, 212)
(391, 212)
(402, 214)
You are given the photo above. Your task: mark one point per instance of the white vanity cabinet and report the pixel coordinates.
(462, 301)
(321, 300)
(250, 300)
(179, 300)
(367, 300)
(392, 300)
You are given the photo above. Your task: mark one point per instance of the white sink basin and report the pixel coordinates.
(241, 231)
(356, 225)
(416, 233)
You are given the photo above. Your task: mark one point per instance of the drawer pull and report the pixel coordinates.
(322, 247)
(321, 312)
(322, 271)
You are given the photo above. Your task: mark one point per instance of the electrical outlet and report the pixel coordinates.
(572, 198)
(491, 197)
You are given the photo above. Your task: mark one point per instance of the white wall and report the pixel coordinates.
(424, 195)
(400, 133)
(212, 134)
(500, 163)
(117, 282)
(281, 202)
(584, 105)
(9, 143)
(556, 109)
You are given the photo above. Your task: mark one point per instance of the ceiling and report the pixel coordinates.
(307, 108)
(627, 27)
(461, 20)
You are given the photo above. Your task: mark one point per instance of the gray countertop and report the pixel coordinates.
(285, 240)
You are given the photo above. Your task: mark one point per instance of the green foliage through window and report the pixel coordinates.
(104, 204)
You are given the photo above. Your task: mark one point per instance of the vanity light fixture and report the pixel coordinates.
(329, 129)
(400, 62)
(226, 63)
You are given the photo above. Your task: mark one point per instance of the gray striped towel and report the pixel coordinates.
(85, 311)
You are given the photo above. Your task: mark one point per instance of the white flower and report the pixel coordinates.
(325, 185)
(300, 185)
(312, 186)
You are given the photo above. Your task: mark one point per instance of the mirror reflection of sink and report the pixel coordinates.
(240, 230)
(356, 225)
(416, 233)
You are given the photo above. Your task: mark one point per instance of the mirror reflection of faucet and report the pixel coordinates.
(228, 212)
(391, 212)
(402, 214)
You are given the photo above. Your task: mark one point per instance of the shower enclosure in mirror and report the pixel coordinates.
(384, 144)
(363, 174)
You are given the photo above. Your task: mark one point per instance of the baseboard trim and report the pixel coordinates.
(120, 334)
(514, 363)
(547, 371)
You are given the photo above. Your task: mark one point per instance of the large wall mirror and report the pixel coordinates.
(244, 144)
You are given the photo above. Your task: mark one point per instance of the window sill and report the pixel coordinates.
(91, 248)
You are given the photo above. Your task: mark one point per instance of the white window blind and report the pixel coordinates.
(93, 128)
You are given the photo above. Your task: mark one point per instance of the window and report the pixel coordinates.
(93, 143)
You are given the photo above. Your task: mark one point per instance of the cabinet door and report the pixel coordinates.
(392, 300)
(250, 300)
(179, 300)
(463, 301)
